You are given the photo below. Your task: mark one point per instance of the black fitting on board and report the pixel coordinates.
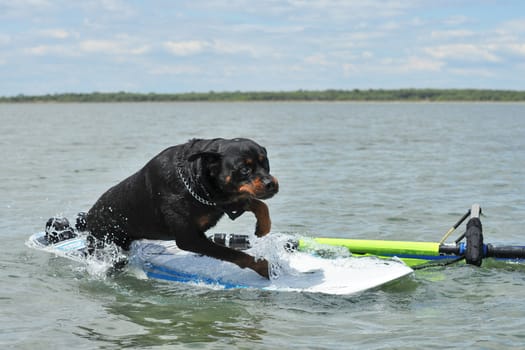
(234, 241)
(474, 248)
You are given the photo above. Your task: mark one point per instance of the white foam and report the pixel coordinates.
(99, 265)
(102, 262)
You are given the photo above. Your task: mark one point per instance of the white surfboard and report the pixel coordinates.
(292, 271)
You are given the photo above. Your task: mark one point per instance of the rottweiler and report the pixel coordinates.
(184, 191)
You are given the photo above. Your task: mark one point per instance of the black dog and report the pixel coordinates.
(184, 191)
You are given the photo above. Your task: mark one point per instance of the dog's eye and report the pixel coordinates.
(245, 171)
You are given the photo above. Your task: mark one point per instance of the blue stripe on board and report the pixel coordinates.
(71, 245)
(162, 272)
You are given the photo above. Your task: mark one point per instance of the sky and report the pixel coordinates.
(164, 46)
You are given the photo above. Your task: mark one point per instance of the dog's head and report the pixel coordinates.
(236, 169)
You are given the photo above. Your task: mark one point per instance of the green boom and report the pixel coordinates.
(412, 253)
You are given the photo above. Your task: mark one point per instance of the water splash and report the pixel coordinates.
(106, 261)
(276, 249)
(324, 250)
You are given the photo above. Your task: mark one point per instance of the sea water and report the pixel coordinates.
(399, 171)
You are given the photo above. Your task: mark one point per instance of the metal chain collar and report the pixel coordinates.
(192, 192)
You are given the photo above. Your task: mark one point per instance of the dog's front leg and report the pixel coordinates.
(198, 243)
(262, 214)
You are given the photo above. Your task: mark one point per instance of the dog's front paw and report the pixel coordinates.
(262, 268)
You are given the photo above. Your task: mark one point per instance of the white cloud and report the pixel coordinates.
(364, 37)
(175, 70)
(391, 25)
(275, 29)
(226, 47)
(114, 5)
(194, 47)
(107, 47)
(408, 65)
(112, 47)
(353, 9)
(5, 39)
(465, 52)
(472, 72)
(349, 69)
(390, 66)
(421, 64)
(185, 48)
(114, 8)
(457, 20)
(23, 5)
(451, 34)
(55, 33)
(515, 26)
(45, 50)
(317, 60)
(417, 22)
(97, 46)
(229, 48)
(307, 9)
(516, 48)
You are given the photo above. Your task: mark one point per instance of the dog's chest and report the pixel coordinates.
(206, 221)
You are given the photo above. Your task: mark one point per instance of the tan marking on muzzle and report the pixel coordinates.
(253, 188)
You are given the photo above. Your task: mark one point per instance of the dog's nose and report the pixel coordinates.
(270, 184)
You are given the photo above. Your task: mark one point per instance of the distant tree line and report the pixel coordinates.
(299, 95)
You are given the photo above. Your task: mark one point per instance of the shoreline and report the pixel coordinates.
(401, 95)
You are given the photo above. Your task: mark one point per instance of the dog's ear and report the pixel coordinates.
(210, 160)
(205, 155)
